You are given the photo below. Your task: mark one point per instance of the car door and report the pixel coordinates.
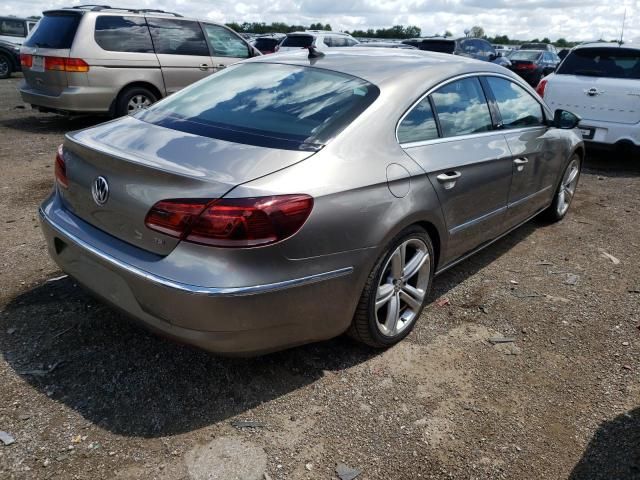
(534, 164)
(182, 51)
(225, 45)
(450, 134)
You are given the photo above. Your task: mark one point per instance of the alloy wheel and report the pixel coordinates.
(4, 66)
(138, 102)
(402, 287)
(568, 186)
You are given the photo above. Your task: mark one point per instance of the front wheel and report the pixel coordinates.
(565, 192)
(396, 290)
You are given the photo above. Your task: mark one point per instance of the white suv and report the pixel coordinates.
(319, 39)
(600, 82)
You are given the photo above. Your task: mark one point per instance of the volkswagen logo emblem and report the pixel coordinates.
(100, 190)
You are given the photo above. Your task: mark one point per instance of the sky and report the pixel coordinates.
(525, 19)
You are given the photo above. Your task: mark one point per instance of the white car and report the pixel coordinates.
(15, 30)
(320, 39)
(600, 82)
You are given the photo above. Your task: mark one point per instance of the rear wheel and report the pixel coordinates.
(134, 99)
(565, 192)
(5, 66)
(395, 291)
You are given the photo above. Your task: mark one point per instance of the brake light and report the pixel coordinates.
(541, 87)
(61, 169)
(65, 64)
(26, 60)
(234, 222)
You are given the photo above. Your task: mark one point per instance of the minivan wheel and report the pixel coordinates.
(565, 192)
(5, 66)
(134, 99)
(396, 290)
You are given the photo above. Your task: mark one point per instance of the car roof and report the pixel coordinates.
(382, 65)
(606, 45)
(107, 9)
(317, 32)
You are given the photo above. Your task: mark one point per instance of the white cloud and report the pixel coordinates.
(526, 19)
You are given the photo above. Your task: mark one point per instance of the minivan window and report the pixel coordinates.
(54, 30)
(462, 108)
(517, 108)
(419, 124)
(273, 105)
(12, 28)
(177, 37)
(123, 34)
(602, 62)
(225, 43)
(302, 41)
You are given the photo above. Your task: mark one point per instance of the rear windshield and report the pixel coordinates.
(524, 56)
(602, 62)
(54, 30)
(273, 105)
(266, 43)
(302, 41)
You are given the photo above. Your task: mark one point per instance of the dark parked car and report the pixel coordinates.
(532, 65)
(477, 48)
(563, 53)
(547, 47)
(9, 58)
(268, 43)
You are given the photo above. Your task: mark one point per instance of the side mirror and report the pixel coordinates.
(492, 57)
(565, 120)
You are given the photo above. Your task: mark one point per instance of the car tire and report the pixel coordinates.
(565, 191)
(391, 302)
(133, 99)
(5, 66)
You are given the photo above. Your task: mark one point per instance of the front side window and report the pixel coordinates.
(177, 37)
(225, 43)
(419, 125)
(12, 28)
(602, 62)
(123, 34)
(462, 108)
(517, 107)
(265, 104)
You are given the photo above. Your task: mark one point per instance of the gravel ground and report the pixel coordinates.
(86, 394)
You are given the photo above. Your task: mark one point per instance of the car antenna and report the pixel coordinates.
(624, 19)
(314, 52)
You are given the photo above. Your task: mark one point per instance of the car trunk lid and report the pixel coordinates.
(144, 163)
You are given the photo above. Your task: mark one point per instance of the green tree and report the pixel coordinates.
(545, 40)
(448, 34)
(476, 32)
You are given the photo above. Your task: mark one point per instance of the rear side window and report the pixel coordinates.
(273, 105)
(602, 62)
(177, 37)
(225, 43)
(462, 108)
(302, 41)
(123, 34)
(517, 108)
(12, 28)
(54, 31)
(419, 124)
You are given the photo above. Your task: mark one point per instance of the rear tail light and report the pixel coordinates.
(541, 87)
(61, 169)
(233, 222)
(26, 60)
(75, 65)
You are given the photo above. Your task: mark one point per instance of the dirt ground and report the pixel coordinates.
(86, 394)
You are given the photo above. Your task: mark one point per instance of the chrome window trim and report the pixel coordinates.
(188, 288)
(526, 88)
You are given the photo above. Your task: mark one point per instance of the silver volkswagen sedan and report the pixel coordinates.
(292, 198)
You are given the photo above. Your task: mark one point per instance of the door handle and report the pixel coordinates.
(520, 163)
(449, 179)
(204, 66)
(221, 65)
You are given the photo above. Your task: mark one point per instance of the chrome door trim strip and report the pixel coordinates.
(193, 289)
(528, 197)
(477, 220)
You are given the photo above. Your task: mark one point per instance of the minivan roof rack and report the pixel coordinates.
(98, 8)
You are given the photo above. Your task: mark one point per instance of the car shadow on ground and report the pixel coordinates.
(613, 452)
(51, 123)
(611, 163)
(88, 356)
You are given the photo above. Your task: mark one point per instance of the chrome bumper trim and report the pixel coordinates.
(195, 289)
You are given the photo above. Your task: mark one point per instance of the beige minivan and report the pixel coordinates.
(97, 59)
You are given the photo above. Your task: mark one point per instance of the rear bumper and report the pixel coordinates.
(244, 321)
(611, 133)
(71, 99)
